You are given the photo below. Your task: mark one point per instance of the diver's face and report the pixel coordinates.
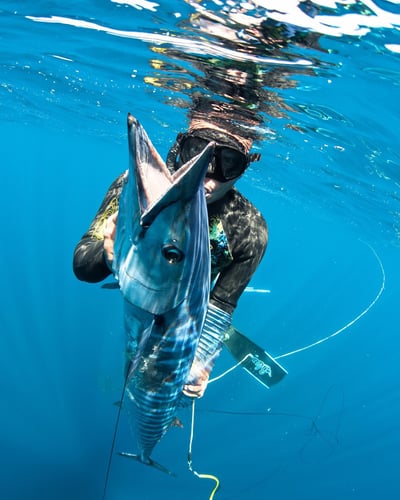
(215, 190)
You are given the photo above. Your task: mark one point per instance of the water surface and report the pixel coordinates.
(323, 102)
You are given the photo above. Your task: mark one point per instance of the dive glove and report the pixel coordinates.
(210, 343)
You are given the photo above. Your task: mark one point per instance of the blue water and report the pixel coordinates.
(329, 187)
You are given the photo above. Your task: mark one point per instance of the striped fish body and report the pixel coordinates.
(162, 264)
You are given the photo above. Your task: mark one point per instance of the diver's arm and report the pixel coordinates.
(208, 348)
(247, 248)
(247, 254)
(93, 253)
(231, 283)
(223, 300)
(89, 263)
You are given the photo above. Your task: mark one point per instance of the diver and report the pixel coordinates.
(238, 235)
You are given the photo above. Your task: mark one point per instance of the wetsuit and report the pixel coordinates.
(238, 239)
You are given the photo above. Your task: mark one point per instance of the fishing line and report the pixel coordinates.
(350, 323)
(190, 463)
(332, 335)
(110, 457)
(230, 369)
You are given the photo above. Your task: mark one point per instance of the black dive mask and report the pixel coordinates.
(228, 162)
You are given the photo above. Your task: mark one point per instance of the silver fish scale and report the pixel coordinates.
(159, 373)
(165, 300)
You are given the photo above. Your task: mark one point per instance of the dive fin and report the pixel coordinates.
(150, 462)
(257, 362)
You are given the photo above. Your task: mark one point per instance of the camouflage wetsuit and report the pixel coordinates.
(238, 239)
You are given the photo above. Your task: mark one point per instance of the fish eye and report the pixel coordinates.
(172, 254)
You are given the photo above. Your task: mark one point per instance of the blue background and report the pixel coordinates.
(331, 198)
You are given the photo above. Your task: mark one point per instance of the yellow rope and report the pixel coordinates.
(209, 476)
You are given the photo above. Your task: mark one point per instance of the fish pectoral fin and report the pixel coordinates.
(110, 286)
(150, 462)
(177, 423)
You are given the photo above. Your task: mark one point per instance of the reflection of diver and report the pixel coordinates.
(252, 29)
(238, 94)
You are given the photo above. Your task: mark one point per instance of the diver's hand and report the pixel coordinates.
(198, 382)
(208, 348)
(109, 237)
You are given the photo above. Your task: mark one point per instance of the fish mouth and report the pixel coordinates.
(157, 187)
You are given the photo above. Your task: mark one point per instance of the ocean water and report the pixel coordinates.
(325, 299)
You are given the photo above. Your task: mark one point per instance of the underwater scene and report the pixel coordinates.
(308, 92)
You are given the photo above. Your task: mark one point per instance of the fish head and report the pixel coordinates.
(162, 243)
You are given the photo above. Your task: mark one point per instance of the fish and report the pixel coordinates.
(162, 266)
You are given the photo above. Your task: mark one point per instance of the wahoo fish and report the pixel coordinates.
(162, 265)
